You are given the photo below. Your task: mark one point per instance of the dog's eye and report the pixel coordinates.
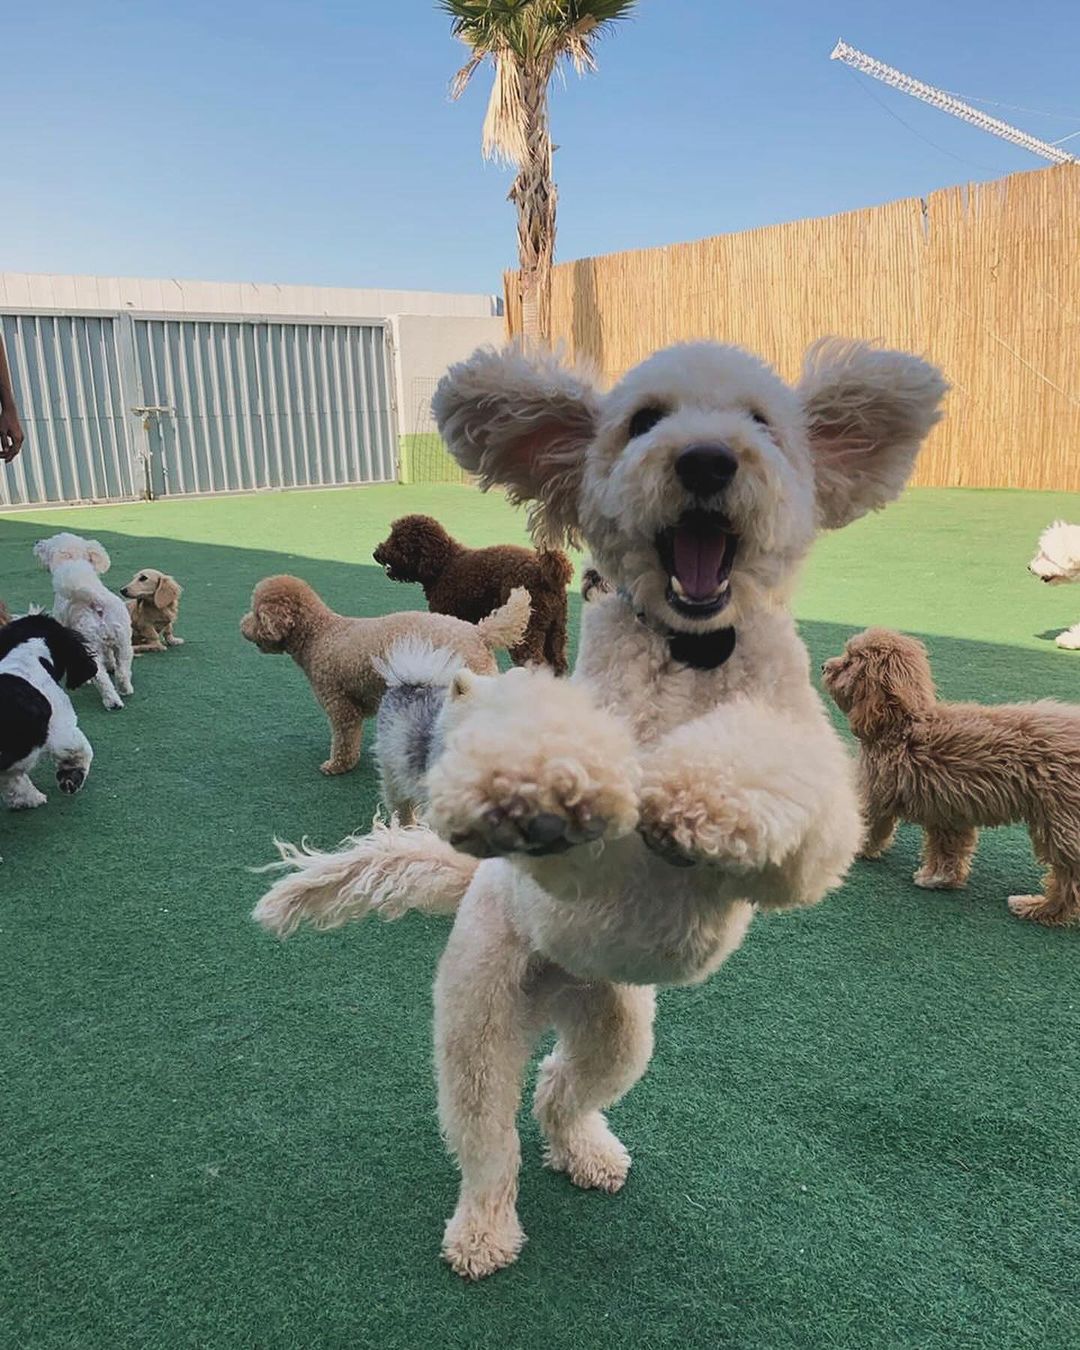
(644, 420)
(760, 418)
(142, 576)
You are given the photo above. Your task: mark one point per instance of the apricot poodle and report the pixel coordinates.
(955, 767)
(470, 582)
(154, 604)
(338, 654)
(598, 835)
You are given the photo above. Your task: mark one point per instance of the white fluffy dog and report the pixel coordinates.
(83, 603)
(1058, 561)
(631, 819)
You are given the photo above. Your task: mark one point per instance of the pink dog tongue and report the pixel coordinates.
(699, 556)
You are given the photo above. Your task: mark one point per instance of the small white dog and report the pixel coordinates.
(1058, 561)
(83, 603)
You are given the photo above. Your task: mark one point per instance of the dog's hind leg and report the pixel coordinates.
(484, 1032)
(946, 859)
(19, 793)
(105, 687)
(1060, 904)
(1058, 907)
(604, 1046)
(123, 670)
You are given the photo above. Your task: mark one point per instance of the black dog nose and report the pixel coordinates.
(706, 470)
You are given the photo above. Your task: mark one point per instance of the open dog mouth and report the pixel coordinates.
(697, 553)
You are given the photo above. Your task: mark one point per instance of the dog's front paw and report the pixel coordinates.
(478, 1242)
(686, 820)
(26, 799)
(333, 767)
(547, 811)
(174, 641)
(531, 767)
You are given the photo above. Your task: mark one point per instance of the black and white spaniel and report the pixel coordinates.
(36, 715)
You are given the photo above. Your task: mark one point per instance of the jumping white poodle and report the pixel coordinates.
(600, 835)
(1058, 561)
(83, 603)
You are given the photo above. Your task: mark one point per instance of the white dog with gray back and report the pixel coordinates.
(1058, 561)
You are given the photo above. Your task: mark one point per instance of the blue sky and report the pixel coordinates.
(313, 141)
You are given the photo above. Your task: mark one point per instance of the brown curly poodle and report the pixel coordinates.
(954, 767)
(338, 654)
(154, 603)
(470, 582)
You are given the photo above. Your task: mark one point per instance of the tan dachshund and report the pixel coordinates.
(154, 603)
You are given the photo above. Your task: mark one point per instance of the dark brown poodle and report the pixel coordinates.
(471, 582)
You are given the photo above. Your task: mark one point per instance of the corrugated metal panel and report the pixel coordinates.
(68, 386)
(258, 405)
(243, 405)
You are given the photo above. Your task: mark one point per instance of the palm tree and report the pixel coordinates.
(527, 40)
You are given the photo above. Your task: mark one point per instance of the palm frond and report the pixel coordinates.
(503, 135)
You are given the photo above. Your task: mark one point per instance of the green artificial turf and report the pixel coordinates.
(864, 1131)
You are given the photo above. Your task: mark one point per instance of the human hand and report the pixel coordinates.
(11, 434)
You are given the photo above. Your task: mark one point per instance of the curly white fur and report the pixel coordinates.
(1056, 562)
(81, 602)
(631, 819)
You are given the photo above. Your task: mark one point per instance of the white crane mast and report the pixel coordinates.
(938, 98)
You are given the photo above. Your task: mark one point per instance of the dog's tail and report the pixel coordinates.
(505, 627)
(388, 872)
(555, 568)
(414, 662)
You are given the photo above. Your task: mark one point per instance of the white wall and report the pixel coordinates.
(424, 345)
(44, 292)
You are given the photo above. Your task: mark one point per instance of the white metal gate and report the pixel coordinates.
(119, 405)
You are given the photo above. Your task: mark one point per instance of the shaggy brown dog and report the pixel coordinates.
(154, 604)
(336, 653)
(5, 614)
(953, 767)
(470, 582)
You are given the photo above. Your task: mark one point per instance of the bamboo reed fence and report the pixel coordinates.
(983, 279)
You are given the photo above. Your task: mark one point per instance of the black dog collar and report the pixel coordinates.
(701, 651)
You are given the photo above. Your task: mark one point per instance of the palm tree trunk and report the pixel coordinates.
(533, 193)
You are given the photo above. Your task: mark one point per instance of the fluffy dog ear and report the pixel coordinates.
(867, 410)
(98, 558)
(523, 421)
(275, 617)
(167, 592)
(42, 550)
